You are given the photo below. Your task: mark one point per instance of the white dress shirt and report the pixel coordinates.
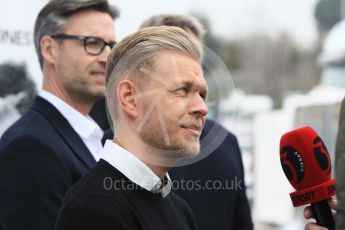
(134, 169)
(88, 130)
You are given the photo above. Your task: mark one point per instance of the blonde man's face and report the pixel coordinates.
(173, 109)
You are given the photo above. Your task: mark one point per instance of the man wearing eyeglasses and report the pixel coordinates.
(56, 142)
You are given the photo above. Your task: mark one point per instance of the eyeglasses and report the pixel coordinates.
(92, 45)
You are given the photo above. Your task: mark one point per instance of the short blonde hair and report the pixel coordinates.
(140, 50)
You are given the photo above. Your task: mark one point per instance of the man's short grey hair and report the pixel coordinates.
(55, 14)
(185, 22)
(136, 55)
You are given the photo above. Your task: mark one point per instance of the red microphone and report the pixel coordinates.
(307, 165)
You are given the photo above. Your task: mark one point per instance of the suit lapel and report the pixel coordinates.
(65, 130)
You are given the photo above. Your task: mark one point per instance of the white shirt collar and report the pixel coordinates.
(85, 126)
(134, 169)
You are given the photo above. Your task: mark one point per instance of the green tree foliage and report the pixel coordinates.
(231, 54)
(228, 51)
(261, 64)
(327, 13)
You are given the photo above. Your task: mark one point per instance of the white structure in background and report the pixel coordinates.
(320, 109)
(17, 20)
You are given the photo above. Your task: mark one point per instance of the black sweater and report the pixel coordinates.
(105, 199)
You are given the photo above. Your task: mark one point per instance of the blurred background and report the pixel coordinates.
(271, 66)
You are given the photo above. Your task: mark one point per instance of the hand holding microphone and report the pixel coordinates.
(308, 214)
(306, 164)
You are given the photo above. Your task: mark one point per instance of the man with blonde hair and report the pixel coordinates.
(156, 95)
(213, 208)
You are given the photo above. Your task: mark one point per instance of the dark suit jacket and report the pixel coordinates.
(41, 157)
(214, 186)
